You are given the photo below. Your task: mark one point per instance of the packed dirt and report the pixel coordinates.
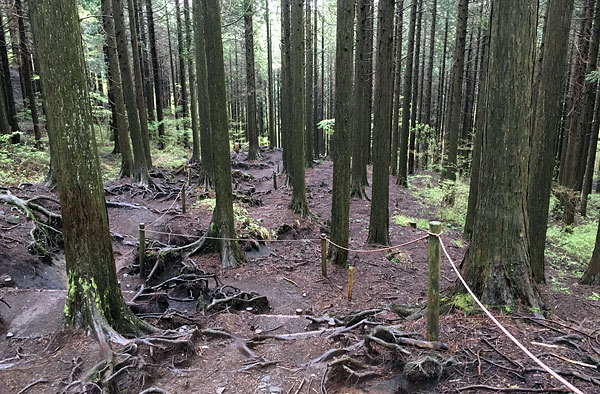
(289, 345)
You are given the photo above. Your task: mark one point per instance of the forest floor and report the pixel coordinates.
(34, 348)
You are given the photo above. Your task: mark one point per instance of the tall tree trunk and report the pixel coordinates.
(119, 115)
(415, 92)
(478, 138)
(497, 265)
(10, 97)
(140, 164)
(94, 299)
(361, 130)
(340, 200)
(222, 222)
(26, 71)
(271, 126)
(182, 78)
(427, 96)
(252, 129)
(455, 95)
(406, 99)
(315, 87)
(206, 140)
(192, 75)
(173, 72)
(155, 72)
(139, 84)
(439, 123)
(591, 156)
(308, 89)
(297, 116)
(397, 86)
(285, 86)
(146, 64)
(379, 217)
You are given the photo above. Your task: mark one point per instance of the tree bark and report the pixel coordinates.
(297, 115)
(361, 130)
(192, 79)
(415, 92)
(591, 156)
(308, 89)
(155, 72)
(222, 224)
(379, 217)
(407, 98)
(340, 200)
(140, 164)
(497, 265)
(455, 95)
(10, 97)
(206, 140)
(182, 78)
(119, 115)
(251, 126)
(26, 71)
(397, 86)
(271, 126)
(94, 299)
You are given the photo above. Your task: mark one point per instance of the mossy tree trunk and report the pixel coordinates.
(140, 164)
(406, 99)
(361, 130)
(340, 200)
(497, 265)
(120, 117)
(453, 112)
(379, 220)
(94, 297)
(250, 84)
(206, 140)
(546, 129)
(222, 224)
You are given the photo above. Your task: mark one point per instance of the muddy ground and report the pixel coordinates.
(35, 349)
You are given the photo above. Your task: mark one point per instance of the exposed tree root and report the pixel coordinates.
(46, 233)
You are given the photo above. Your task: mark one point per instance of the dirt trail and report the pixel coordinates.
(288, 274)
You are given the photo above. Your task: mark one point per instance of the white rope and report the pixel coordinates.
(505, 331)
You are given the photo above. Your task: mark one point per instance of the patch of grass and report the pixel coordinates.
(451, 199)
(594, 297)
(405, 221)
(558, 286)
(24, 162)
(465, 303)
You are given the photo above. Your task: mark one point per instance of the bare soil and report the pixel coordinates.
(34, 346)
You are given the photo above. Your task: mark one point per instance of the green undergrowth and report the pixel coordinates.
(449, 199)
(24, 162)
(569, 248)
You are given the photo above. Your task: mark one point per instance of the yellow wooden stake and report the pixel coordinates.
(350, 281)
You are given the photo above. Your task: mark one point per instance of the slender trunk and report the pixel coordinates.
(155, 72)
(591, 156)
(397, 86)
(340, 208)
(415, 92)
(250, 85)
(455, 95)
(10, 97)
(271, 125)
(182, 78)
(408, 73)
(379, 216)
(308, 89)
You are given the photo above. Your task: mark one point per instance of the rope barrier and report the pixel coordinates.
(504, 330)
(376, 250)
(233, 239)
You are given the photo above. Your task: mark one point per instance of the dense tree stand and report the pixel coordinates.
(94, 297)
(497, 264)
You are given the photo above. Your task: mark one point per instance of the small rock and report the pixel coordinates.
(6, 281)
(303, 294)
(220, 390)
(9, 334)
(266, 379)
(331, 322)
(258, 331)
(274, 389)
(299, 311)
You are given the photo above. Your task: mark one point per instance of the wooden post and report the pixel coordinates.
(433, 289)
(323, 255)
(350, 281)
(183, 187)
(274, 180)
(142, 251)
(189, 174)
